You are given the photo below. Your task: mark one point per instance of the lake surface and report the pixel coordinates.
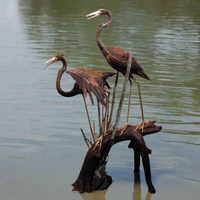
(41, 146)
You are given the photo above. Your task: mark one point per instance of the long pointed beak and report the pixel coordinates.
(52, 60)
(93, 14)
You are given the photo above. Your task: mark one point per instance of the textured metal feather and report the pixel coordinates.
(91, 81)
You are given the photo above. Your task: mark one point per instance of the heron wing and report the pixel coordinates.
(118, 59)
(91, 81)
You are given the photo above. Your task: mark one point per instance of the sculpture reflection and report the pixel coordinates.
(100, 195)
(97, 195)
(137, 189)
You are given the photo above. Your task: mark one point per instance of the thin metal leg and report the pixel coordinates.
(88, 119)
(129, 101)
(113, 101)
(140, 97)
(107, 110)
(138, 86)
(99, 117)
(129, 105)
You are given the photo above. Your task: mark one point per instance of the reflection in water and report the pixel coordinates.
(137, 189)
(100, 195)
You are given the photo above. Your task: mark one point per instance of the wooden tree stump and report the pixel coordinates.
(93, 174)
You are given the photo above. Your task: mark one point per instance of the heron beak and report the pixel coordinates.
(52, 60)
(93, 14)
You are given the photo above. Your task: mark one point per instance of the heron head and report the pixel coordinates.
(97, 13)
(53, 60)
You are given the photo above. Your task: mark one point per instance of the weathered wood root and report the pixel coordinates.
(87, 181)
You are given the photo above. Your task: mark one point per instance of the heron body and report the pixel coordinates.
(87, 81)
(116, 56)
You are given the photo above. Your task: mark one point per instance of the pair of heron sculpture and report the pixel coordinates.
(89, 81)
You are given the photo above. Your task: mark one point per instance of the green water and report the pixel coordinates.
(41, 147)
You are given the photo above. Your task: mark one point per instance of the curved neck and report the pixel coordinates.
(70, 93)
(102, 47)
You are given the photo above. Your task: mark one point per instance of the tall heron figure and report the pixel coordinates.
(87, 81)
(117, 58)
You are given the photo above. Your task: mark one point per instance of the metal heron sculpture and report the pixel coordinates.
(117, 58)
(87, 81)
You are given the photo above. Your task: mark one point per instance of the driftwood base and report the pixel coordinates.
(93, 174)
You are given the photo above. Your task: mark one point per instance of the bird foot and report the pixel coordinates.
(123, 128)
(140, 125)
(98, 141)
